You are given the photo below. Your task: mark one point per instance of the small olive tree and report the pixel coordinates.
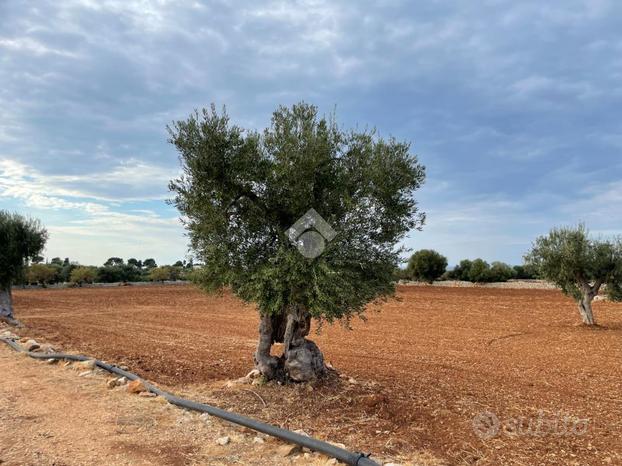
(426, 265)
(160, 274)
(41, 274)
(579, 265)
(479, 271)
(242, 195)
(460, 271)
(21, 240)
(83, 274)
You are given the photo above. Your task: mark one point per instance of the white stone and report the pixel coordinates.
(223, 440)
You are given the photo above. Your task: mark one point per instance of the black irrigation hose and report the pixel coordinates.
(355, 459)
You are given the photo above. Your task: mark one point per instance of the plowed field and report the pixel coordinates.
(423, 367)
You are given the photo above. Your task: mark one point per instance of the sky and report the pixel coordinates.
(513, 107)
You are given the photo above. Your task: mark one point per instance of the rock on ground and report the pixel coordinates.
(136, 386)
(223, 440)
(31, 345)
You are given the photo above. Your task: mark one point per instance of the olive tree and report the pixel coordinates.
(426, 265)
(149, 264)
(579, 265)
(21, 240)
(479, 271)
(302, 219)
(112, 261)
(160, 274)
(501, 272)
(460, 271)
(41, 274)
(83, 274)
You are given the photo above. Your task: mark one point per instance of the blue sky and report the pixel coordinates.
(514, 108)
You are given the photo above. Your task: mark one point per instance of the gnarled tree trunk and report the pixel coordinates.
(6, 307)
(585, 309)
(585, 304)
(301, 360)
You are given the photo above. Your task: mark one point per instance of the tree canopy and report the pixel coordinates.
(135, 262)
(21, 239)
(160, 274)
(112, 261)
(42, 274)
(83, 274)
(427, 265)
(241, 190)
(149, 263)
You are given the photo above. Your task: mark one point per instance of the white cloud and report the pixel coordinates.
(28, 44)
(115, 185)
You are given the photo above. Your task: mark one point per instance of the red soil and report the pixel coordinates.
(425, 365)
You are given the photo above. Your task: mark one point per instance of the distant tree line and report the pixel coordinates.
(114, 270)
(428, 265)
(480, 271)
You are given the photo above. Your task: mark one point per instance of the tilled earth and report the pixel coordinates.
(464, 375)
